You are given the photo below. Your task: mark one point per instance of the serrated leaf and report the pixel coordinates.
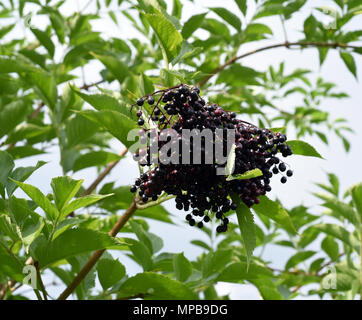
(339, 233)
(71, 243)
(182, 267)
(349, 62)
(192, 25)
(42, 201)
(118, 69)
(114, 122)
(156, 287)
(110, 272)
(274, 211)
(298, 258)
(330, 246)
(21, 174)
(246, 225)
(64, 189)
(303, 148)
(169, 38)
(228, 16)
(82, 202)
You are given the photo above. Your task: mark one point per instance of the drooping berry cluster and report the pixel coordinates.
(198, 186)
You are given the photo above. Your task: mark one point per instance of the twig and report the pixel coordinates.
(96, 255)
(45, 294)
(87, 86)
(37, 111)
(284, 44)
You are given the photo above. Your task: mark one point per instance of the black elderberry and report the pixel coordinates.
(141, 122)
(140, 102)
(198, 186)
(282, 167)
(151, 101)
(133, 189)
(200, 224)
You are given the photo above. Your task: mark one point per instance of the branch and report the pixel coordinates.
(96, 255)
(279, 45)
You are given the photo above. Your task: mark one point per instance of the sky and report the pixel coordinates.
(307, 171)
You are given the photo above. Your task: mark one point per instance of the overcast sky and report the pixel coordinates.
(307, 171)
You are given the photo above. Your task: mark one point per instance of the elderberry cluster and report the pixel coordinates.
(197, 186)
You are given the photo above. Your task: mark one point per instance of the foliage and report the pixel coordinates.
(45, 107)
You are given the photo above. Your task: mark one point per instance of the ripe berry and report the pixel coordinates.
(206, 218)
(151, 100)
(283, 180)
(200, 224)
(141, 122)
(282, 167)
(289, 173)
(140, 102)
(133, 189)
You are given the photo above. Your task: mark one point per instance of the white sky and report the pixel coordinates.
(306, 170)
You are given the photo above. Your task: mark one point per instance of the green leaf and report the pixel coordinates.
(145, 85)
(82, 202)
(228, 16)
(79, 129)
(268, 289)
(118, 69)
(5, 30)
(11, 115)
(330, 246)
(110, 272)
(274, 211)
(169, 38)
(237, 272)
(6, 166)
(356, 192)
(242, 6)
(303, 148)
(45, 40)
(246, 175)
(21, 174)
(114, 122)
(349, 62)
(155, 287)
(10, 229)
(64, 189)
(246, 225)
(339, 233)
(46, 87)
(10, 266)
(96, 158)
(78, 241)
(142, 255)
(182, 267)
(192, 25)
(42, 201)
(298, 258)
